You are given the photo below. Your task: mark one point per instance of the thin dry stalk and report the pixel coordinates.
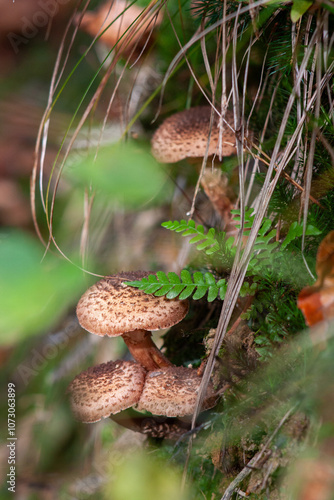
(256, 459)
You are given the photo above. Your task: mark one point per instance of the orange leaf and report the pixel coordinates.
(317, 301)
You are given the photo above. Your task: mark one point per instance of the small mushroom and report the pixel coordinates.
(185, 135)
(106, 389)
(173, 392)
(111, 308)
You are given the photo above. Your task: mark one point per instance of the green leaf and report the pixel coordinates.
(198, 278)
(125, 173)
(187, 292)
(222, 291)
(136, 284)
(154, 287)
(212, 293)
(299, 7)
(209, 279)
(152, 279)
(206, 241)
(186, 276)
(162, 277)
(173, 278)
(312, 230)
(196, 239)
(200, 292)
(163, 290)
(212, 249)
(34, 294)
(296, 231)
(175, 291)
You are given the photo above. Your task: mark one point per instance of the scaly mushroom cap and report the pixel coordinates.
(106, 389)
(111, 308)
(173, 392)
(185, 135)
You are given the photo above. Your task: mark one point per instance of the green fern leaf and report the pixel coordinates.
(154, 287)
(296, 230)
(200, 292)
(183, 286)
(162, 277)
(152, 278)
(186, 277)
(163, 290)
(210, 280)
(212, 292)
(187, 292)
(206, 241)
(198, 278)
(175, 291)
(173, 278)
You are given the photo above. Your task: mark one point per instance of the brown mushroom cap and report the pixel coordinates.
(186, 134)
(106, 389)
(111, 308)
(173, 392)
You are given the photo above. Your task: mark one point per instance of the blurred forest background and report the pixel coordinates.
(82, 196)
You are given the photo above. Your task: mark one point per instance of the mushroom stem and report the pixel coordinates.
(143, 350)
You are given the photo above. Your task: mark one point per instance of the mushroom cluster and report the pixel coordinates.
(107, 389)
(151, 382)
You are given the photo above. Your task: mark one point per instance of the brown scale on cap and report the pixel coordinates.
(106, 389)
(173, 392)
(111, 308)
(185, 135)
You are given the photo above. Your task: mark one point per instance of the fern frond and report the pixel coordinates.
(212, 242)
(208, 241)
(184, 286)
(172, 286)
